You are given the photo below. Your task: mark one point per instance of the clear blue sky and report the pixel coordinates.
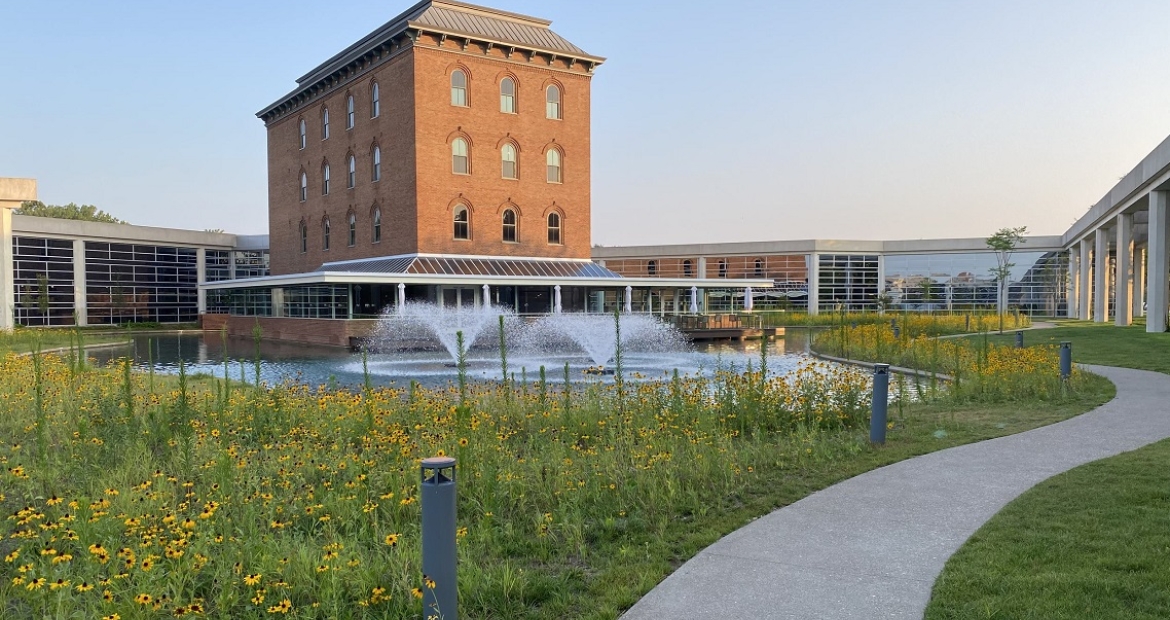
(712, 121)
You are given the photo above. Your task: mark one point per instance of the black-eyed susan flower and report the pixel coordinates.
(251, 580)
(391, 539)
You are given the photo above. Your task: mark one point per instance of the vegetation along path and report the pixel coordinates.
(872, 546)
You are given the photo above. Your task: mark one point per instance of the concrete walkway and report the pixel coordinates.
(872, 546)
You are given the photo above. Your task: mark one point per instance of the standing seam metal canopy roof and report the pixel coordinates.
(463, 265)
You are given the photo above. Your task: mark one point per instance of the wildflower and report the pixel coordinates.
(11, 557)
(392, 539)
(143, 599)
(84, 586)
(281, 608)
(37, 583)
(54, 500)
(251, 580)
(416, 592)
(60, 583)
(112, 617)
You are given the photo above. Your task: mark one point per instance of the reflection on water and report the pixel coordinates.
(280, 361)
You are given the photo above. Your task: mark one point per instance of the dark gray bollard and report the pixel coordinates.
(967, 328)
(1065, 360)
(893, 323)
(1019, 339)
(438, 538)
(881, 400)
(897, 332)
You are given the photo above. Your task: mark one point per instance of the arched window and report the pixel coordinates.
(375, 101)
(508, 167)
(459, 88)
(554, 228)
(352, 230)
(301, 129)
(351, 172)
(509, 226)
(349, 115)
(759, 267)
(377, 225)
(376, 157)
(722, 268)
(325, 180)
(460, 162)
(652, 267)
(304, 238)
(508, 95)
(462, 223)
(552, 102)
(688, 270)
(325, 124)
(325, 235)
(553, 160)
(304, 187)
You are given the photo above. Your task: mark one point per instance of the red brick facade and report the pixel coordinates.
(418, 191)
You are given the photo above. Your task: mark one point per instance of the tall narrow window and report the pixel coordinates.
(722, 268)
(352, 230)
(375, 101)
(552, 102)
(688, 268)
(553, 159)
(462, 223)
(459, 88)
(459, 159)
(304, 187)
(508, 95)
(325, 124)
(508, 168)
(376, 157)
(304, 238)
(349, 112)
(377, 225)
(509, 226)
(652, 267)
(554, 228)
(301, 128)
(325, 180)
(759, 268)
(351, 172)
(325, 237)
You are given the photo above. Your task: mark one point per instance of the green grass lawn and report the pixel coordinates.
(1103, 343)
(26, 340)
(1093, 542)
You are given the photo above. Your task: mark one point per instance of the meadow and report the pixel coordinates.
(130, 495)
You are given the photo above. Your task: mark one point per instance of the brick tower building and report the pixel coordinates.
(451, 130)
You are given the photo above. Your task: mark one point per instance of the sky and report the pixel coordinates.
(712, 121)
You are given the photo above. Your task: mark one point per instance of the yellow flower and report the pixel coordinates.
(417, 592)
(11, 557)
(281, 608)
(84, 587)
(251, 580)
(143, 599)
(392, 539)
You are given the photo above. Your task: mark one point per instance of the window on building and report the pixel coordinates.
(652, 267)
(376, 158)
(351, 172)
(375, 101)
(688, 268)
(377, 225)
(554, 228)
(462, 223)
(459, 88)
(304, 238)
(552, 102)
(352, 230)
(722, 268)
(508, 95)
(301, 129)
(304, 187)
(325, 124)
(349, 115)
(508, 167)
(460, 163)
(553, 161)
(325, 180)
(509, 226)
(325, 235)
(759, 271)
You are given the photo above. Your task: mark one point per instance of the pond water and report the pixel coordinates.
(279, 362)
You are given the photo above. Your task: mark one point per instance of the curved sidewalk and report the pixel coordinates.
(872, 546)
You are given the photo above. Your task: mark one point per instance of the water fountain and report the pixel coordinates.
(594, 335)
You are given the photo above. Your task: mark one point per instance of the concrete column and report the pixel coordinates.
(12, 193)
(1157, 263)
(702, 269)
(814, 285)
(80, 294)
(1074, 283)
(1100, 276)
(1123, 311)
(1084, 303)
(1139, 280)
(201, 279)
(232, 265)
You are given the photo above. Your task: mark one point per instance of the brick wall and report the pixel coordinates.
(326, 332)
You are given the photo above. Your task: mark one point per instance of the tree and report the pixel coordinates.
(1004, 243)
(70, 211)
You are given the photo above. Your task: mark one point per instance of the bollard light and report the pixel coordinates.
(1065, 360)
(879, 404)
(897, 332)
(1020, 339)
(437, 499)
(967, 327)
